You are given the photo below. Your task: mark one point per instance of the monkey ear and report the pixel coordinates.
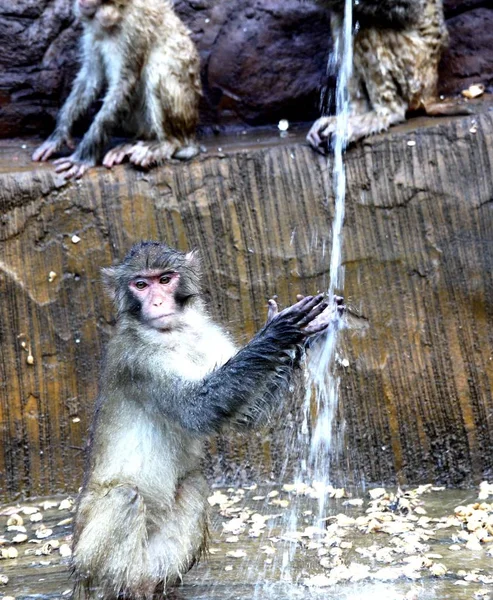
(109, 275)
(193, 260)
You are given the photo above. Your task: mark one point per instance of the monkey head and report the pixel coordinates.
(154, 284)
(107, 13)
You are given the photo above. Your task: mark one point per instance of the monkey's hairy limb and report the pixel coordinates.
(396, 51)
(171, 378)
(142, 55)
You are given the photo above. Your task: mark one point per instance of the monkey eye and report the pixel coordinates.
(165, 279)
(140, 285)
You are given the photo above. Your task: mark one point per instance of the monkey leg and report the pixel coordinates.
(110, 543)
(178, 535)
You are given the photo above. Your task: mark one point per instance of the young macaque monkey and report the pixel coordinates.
(397, 45)
(142, 55)
(171, 378)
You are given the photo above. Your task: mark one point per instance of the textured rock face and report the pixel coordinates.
(469, 58)
(261, 59)
(416, 388)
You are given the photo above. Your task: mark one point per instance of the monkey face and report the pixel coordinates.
(156, 293)
(106, 13)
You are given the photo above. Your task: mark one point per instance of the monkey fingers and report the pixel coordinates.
(71, 168)
(147, 154)
(49, 147)
(272, 309)
(327, 317)
(117, 155)
(320, 132)
(312, 310)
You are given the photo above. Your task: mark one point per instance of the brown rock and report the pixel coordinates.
(469, 57)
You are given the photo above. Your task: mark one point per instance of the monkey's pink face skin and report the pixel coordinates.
(156, 294)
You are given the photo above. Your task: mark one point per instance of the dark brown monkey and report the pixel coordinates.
(397, 46)
(171, 378)
(141, 55)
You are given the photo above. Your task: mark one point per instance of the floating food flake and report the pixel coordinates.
(75, 239)
(65, 550)
(236, 554)
(66, 504)
(9, 552)
(438, 569)
(217, 498)
(14, 520)
(51, 276)
(36, 517)
(473, 91)
(43, 532)
(283, 125)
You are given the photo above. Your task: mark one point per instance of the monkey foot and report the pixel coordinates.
(117, 155)
(320, 134)
(148, 154)
(50, 146)
(71, 167)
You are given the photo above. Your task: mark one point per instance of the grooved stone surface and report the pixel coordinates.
(416, 398)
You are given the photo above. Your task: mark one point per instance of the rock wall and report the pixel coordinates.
(416, 396)
(261, 59)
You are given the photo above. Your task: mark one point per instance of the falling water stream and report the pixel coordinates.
(317, 438)
(322, 381)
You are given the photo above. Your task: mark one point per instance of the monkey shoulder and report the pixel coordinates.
(198, 349)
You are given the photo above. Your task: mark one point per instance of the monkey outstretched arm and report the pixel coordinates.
(263, 365)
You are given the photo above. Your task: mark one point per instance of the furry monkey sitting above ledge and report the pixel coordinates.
(141, 56)
(397, 45)
(172, 377)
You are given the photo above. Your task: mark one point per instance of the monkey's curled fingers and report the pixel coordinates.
(272, 309)
(50, 146)
(327, 317)
(71, 167)
(117, 155)
(304, 312)
(320, 133)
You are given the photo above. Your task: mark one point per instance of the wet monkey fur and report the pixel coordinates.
(172, 377)
(141, 57)
(397, 45)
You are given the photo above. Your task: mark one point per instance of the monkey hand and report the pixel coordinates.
(298, 321)
(328, 316)
(72, 167)
(320, 134)
(53, 144)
